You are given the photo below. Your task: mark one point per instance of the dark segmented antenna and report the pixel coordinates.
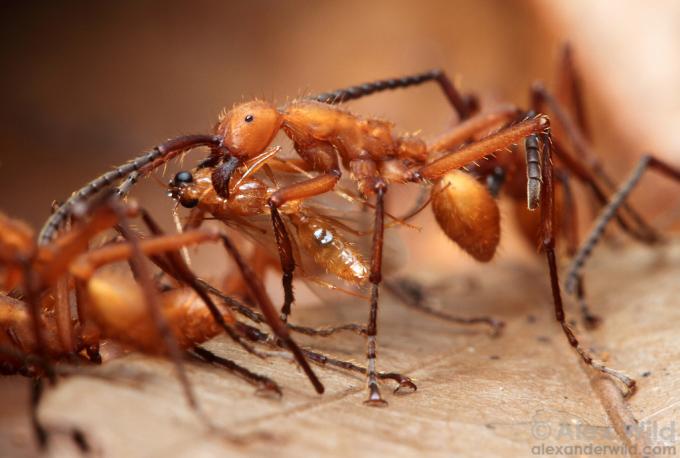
(533, 162)
(464, 106)
(160, 153)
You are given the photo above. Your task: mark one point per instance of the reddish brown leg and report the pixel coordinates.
(610, 210)
(143, 275)
(569, 89)
(548, 235)
(277, 326)
(542, 99)
(570, 225)
(304, 189)
(374, 397)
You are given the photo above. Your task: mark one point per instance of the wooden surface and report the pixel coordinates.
(476, 395)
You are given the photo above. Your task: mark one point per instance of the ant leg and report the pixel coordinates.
(264, 384)
(277, 326)
(41, 435)
(542, 98)
(570, 223)
(143, 275)
(477, 150)
(548, 236)
(308, 188)
(465, 106)
(63, 318)
(412, 295)
(374, 397)
(610, 210)
(146, 162)
(569, 90)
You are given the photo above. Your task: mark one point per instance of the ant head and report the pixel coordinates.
(249, 128)
(182, 189)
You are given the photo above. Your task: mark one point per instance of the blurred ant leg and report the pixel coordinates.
(412, 295)
(62, 315)
(374, 397)
(260, 381)
(144, 163)
(584, 175)
(174, 265)
(278, 327)
(569, 89)
(542, 98)
(570, 224)
(39, 431)
(484, 147)
(548, 236)
(610, 210)
(304, 189)
(465, 106)
(143, 275)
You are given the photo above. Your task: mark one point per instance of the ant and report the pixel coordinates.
(329, 140)
(40, 329)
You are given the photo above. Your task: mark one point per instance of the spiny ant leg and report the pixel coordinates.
(610, 210)
(264, 384)
(412, 295)
(161, 153)
(374, 397)
(465, 106)
(548, 234)
(258, 292)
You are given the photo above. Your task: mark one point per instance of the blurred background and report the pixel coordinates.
(88, 85)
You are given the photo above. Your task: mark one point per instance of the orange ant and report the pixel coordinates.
(329, 139)
(41, 329)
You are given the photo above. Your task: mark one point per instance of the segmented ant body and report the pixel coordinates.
(329, 140)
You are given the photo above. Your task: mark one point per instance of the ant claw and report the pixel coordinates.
(405, 387)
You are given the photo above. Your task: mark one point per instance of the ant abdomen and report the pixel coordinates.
(118, 306)
(330, 250)
(467, 214)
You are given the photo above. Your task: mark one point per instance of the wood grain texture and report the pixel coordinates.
(477, 396)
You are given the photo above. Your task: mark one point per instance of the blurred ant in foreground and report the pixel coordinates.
(38, 327)
(330, 140)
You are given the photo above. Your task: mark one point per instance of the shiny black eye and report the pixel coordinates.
(188, 203)
(249, 118)
(183, 178)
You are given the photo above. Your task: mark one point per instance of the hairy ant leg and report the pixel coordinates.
(541, 99)
(645, 163)
(412, 294)
(570, 220)
(263, 383)
(465, 105)
(547, 205)
(161, 153)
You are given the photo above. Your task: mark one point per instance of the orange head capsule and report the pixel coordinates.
(467, 213)
(249, 128)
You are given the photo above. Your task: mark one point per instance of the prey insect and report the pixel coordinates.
(329, 140)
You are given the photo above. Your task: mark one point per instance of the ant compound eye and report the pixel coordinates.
(249, 118)
(183, 178)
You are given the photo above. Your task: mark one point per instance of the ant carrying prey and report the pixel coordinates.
(330, 141)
